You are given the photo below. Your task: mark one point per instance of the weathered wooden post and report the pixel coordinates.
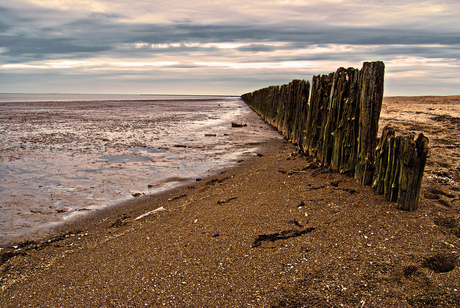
(345, 153)
(301, 92)
(384, 161)
(371, 98)
(320, 91)
(413, 157)
(391, 182)
(341, 131)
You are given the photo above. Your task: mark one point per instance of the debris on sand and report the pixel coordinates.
(238, 125)
(226, 200)
(151, 212)
(283, 235)
(177, 197)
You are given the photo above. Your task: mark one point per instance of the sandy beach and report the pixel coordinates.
(278, 230)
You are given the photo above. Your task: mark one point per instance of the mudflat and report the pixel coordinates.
(60, 160)
(279, 230)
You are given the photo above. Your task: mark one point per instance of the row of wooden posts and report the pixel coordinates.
(338, 123)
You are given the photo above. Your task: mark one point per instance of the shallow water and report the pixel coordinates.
(63, 159)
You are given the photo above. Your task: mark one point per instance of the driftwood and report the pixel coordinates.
(283, 235)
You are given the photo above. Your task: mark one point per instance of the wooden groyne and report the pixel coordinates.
(338, 123)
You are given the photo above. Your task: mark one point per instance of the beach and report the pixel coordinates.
(275, 230)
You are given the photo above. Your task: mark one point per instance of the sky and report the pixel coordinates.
(223, 47)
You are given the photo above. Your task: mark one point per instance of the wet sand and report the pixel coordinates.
(63, 160)
(277, 231)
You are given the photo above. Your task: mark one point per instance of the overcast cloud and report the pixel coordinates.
(223, 47)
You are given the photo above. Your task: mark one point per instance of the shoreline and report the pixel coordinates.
(277, 230)
(125, 208)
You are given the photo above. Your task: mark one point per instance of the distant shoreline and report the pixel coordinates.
(65, 97)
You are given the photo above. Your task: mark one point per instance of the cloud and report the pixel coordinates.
(37, 48)
(104, 16)
(257, 41)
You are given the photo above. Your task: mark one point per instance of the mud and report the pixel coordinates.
(60, 160)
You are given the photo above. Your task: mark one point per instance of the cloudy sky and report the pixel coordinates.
(223, 47)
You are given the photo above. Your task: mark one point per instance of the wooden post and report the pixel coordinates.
(371, 98)
(412, 162)
(320, 91)
(383, 161)
(346, 145)
(341, 131)
(301, 91)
